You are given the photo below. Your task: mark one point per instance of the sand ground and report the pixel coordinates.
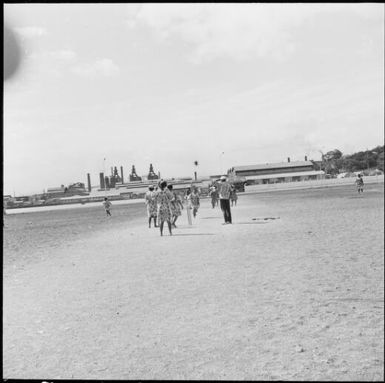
(293, 290)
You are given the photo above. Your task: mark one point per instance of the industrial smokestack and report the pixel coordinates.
(89, 181)
(107, 182)
(121, 174)
(101, 176)
(288, 159)
(305, 158)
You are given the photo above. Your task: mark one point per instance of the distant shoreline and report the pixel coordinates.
(256, 189)
(68, 206)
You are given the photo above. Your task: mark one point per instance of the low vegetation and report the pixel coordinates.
(335, 162)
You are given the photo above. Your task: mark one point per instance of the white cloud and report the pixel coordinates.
(239, 31)
(63, 54)
(102, 67)
(29, 32)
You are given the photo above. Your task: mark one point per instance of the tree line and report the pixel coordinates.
(335, 162)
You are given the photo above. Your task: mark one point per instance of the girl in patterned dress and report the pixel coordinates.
(163, 200)
(195, 201)
(150, 201)
(214, 196)
(176, 206)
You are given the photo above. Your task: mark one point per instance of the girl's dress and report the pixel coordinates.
(150, 200)
(163, 200)
(195, 201)
(175, 205)
(214, 197)
(360, 183)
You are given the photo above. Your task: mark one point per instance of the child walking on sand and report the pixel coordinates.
(176, 206)
(233, 196)
(163, 200)
(195, 203)
(150, 201)
(360, 183)
(214, 196)
(107, 206)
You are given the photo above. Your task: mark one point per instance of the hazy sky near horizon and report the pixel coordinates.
(169, 84)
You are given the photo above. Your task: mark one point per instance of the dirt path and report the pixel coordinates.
(294, 297)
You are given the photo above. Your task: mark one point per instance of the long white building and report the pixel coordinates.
(277, 172)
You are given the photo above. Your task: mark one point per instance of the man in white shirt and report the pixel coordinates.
(224, 199)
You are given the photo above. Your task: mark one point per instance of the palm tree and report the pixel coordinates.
(323, 161)
(196, 165)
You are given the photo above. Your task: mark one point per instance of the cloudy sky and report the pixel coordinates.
(169, 84)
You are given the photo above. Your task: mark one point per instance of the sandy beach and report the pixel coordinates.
(293, 290)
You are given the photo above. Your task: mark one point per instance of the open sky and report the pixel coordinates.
(170, 84)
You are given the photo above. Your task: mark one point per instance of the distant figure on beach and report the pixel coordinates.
(195, 202)
(107, 206)
(176, 206)
(163, 200)
(233, 196)
(360, 183)
(224, 198)
(214, 196)
(187, 197)
(150, 201)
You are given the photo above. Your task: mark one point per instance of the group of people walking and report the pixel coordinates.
(166, 205)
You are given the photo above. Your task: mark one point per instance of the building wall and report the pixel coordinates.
(258, 172)
(273, 180)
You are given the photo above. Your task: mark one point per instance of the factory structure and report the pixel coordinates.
(117, 180)
(116, 187)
